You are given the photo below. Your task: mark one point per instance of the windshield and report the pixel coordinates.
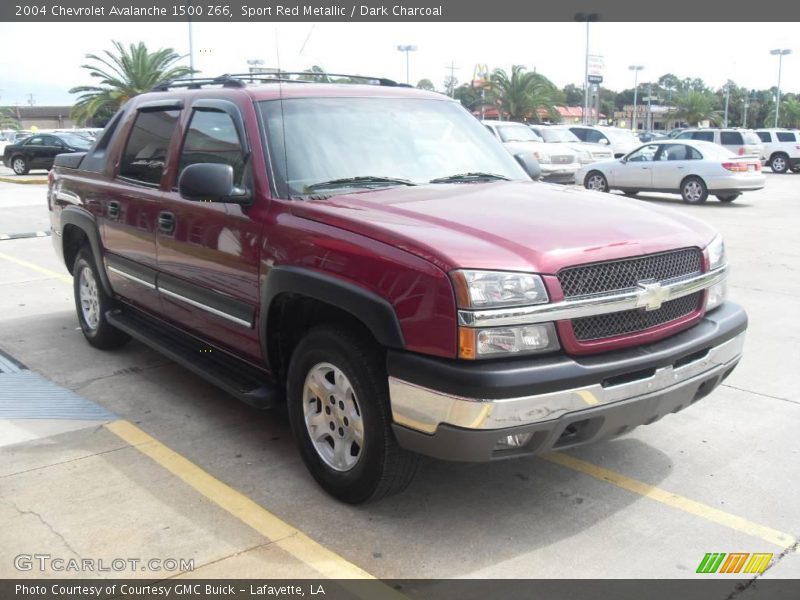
(558, 135)
(75, 140)
(516, 133)
(366, 139)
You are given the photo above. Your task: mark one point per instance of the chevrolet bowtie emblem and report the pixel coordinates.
(652, 295)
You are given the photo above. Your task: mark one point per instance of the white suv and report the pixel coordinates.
(782, 149)
(621, 141)
(743, 142)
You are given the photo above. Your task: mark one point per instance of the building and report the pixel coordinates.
(654, 117)
(41, 117)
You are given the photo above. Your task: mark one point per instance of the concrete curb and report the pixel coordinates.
(20, 236)
(26, 181)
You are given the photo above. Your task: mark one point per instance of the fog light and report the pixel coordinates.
(516, 340)
(716, 295)
(513, 441)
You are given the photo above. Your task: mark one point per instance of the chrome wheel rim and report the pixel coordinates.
(693, 191)
(90, 301)
(19, 166)
(778, 164)
(333, 417)
(596, 183)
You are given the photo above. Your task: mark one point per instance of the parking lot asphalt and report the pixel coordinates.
(717, 477)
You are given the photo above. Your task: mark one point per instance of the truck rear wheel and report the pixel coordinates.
(92, 302)
(339, 410)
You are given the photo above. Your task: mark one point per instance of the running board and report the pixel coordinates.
(226, 372)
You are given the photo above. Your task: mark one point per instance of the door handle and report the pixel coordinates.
(113, 209)
(166, 222)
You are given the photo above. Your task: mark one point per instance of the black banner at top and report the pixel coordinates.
(277, 11)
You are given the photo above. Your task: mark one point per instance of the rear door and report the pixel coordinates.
(132, 204)
(673, 163)
(208, 252)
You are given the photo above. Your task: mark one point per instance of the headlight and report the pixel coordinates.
(543, 158)
(493, 289)
(716, 253)
(716, 258)
(497, 341)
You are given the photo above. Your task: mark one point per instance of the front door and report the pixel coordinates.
(208, 252)
(131, 204)
(636, 172)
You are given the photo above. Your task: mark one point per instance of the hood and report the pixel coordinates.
(591, 148)
(508, 225)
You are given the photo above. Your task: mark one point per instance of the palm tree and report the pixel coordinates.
(693, 107)
(122, 75)
(789, 115)
(521, 94)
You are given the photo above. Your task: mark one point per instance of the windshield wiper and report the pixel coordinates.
(473, 176)
(364, 180)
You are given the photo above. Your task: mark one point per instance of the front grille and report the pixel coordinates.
(629, 321)
(561, 159)
(603, 277)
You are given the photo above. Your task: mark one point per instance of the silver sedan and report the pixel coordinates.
(693, 169)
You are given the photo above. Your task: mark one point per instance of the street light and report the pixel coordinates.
(588, 17)
(781, 53)
(407, 48)
(635, 69)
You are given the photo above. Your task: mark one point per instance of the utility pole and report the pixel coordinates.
(588, 17)
(744, 120)
(727, 100)
(780, 53)
(453, 68)
(635, 69)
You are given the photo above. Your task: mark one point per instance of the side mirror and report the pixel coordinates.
(530, 165)
(603, 141)
(211, 182)
(623, 160)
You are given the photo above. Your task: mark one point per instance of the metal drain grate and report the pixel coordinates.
(10, 365)
(27, 395)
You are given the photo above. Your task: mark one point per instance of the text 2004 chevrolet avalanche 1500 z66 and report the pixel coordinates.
(370, 255)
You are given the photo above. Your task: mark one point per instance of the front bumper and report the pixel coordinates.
(561, 173)
(458, 410)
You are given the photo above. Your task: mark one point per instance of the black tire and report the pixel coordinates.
(694, 190)
(381, 467)
(728, 197)
(96, 329)
(796, 169)
(19, 165)
(596, 181)
(779, 163)
(631, 192)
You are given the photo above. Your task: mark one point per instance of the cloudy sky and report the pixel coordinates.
(53, 53)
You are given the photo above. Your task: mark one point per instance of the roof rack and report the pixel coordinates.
(240, 80)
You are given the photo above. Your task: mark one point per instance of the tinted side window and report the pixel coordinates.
(731, 138)
(693, 154)
(212, 138)
(49, 140)
(593, 136)
(708, 136)
(686, 135)
(785, 136)
(764, 135)
(35, 141)
(581, 133)
(146, 151)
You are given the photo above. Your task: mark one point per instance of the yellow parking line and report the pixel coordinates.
(37, 268)
(288, 538)
(698, 509)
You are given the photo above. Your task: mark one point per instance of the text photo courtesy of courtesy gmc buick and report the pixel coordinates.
(371, 256)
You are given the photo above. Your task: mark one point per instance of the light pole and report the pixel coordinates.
(635, 69)
(407, 48)
(781, 53)
(588, 17)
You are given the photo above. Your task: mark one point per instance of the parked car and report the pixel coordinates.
(673, 133)
(743, 142)
(691, 169)
(559, 134)
(38, 151)
(558, 164)
(374, 259)
(652, 136)
(781, 149)
(621, 141)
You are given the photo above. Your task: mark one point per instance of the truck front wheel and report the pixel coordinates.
(339, 410)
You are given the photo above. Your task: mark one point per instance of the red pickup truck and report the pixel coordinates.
(371, 256)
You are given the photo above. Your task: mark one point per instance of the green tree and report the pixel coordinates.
(520, 94)
(469, 97)
(573, 95)
(7, 119)
(694, 106)
(426, 84)
(789, 115)
(123, 74)
(450, 84)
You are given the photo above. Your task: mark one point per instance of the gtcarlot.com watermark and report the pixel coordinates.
(47, 563)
